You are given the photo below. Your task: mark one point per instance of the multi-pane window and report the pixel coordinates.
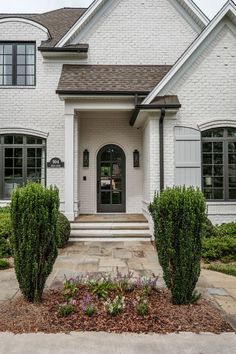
(17, 64)
(22, 159)
(219, 163)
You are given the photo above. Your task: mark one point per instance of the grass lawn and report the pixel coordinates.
(224, 268)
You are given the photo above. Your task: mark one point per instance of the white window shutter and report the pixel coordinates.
(187, 157)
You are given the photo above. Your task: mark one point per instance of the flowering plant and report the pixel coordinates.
(113, 307)
(87, 305)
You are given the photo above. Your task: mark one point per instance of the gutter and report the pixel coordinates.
(82, 49)
(161, 137)
(141, 107)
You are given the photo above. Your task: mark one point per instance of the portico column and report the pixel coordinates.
(69, 166)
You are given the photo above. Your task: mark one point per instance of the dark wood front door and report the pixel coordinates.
(111, 180)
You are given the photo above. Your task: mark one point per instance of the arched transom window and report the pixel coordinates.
(219, 164)
(22, 159)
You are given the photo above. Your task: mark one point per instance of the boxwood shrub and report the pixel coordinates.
(34, 216)
(5, 233)
(179, 214)
(63, 231)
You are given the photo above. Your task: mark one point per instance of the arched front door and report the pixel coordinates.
(111, 180)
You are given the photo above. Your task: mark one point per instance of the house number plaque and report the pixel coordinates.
(55, 162)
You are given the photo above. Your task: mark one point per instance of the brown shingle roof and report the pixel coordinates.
(58, 22)
(110, 78)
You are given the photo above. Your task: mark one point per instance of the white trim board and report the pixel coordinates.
(198, 17)
(228, 9)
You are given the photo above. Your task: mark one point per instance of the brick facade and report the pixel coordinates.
(155, 34)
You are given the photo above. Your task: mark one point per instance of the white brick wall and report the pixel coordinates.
(206, 92)
(37, 108)
(138, 32)
(99, 129)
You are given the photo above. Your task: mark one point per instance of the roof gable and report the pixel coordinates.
(187, 5)
(228, 10)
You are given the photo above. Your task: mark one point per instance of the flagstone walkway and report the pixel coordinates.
(106, 257)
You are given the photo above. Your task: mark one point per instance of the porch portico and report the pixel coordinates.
(96, 125)
(105, 119)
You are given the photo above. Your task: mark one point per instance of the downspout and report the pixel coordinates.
(161, 137)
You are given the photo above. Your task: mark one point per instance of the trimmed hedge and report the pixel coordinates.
(34, 216)
(63, 231)
(179, 214)
(219, 248)
(5, 234)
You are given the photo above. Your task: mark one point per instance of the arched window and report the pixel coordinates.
(219, 164)
(22, 159)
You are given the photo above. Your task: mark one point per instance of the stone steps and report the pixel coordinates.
(112, 231)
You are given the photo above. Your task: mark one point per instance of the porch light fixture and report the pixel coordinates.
(136, 158)
(86, 158)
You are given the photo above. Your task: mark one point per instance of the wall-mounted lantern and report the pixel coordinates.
(86, 158)
(136, 158)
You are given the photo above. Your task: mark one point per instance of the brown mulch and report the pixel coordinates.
(19, 316)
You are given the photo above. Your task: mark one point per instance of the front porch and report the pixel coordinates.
(104, 117)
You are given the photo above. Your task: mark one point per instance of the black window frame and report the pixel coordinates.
(225, 139)
(14, 75)
(24, 146)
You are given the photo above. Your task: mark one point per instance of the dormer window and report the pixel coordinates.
(17, 64)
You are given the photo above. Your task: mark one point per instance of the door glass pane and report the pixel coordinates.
(105, 184)
(105, 169)
(116, 198)
(116, 184)
(106, 155)
(116, 169)
(105, 198)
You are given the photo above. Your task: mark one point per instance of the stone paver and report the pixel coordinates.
(105, 343)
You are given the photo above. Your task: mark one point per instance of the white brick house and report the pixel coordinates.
(131, 97)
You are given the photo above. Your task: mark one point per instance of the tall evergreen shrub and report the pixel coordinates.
(34, 216)
(179, 214)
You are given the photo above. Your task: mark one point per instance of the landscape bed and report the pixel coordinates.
(19, 316)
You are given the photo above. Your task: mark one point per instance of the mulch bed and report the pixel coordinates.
(18, 316)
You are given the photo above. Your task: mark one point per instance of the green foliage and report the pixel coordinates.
(226, 230)
(63, 231)
(34, 215)
(65, 310)
(101, 287)
(142, 305)
(209, 230)
(5, 210)
(5, 233)
(224, 268)
(179, 214)
(114, 307)
(219, 248)
(69, 289)
(4, 264)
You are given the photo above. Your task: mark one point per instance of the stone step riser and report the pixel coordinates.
(110, 226)
(109, 239)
